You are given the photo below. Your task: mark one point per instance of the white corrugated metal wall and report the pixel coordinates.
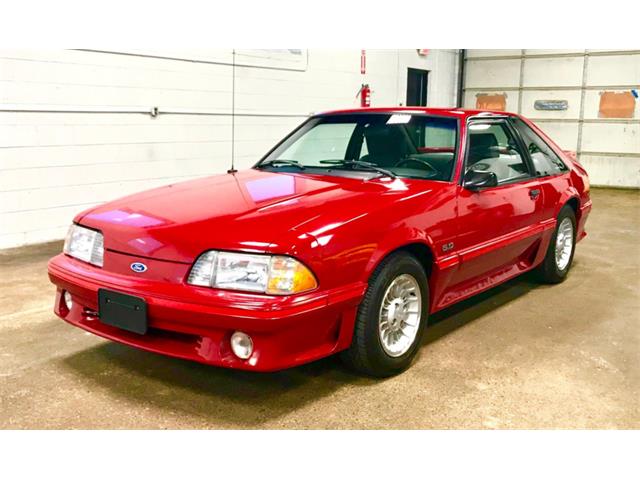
(608, 147)
(75, 128)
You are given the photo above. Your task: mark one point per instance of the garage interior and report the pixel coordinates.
(81, 127)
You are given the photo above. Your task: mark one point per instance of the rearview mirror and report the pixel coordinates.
(475, 180)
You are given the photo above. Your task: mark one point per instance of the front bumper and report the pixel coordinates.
(196, 323)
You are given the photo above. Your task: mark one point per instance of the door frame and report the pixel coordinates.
(514, 132)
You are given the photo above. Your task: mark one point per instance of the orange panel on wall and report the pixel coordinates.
(617, 105)
(491, 102)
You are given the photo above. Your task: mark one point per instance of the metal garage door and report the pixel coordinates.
(586, 100)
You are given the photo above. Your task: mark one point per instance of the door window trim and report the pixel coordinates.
(511, 129)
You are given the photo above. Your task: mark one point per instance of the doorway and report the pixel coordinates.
(417, 84)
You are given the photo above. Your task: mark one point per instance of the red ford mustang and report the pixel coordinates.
(345, 237)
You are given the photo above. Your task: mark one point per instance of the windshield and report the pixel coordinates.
(405, 144)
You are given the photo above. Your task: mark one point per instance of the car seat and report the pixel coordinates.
(386, 145)
(481, 147)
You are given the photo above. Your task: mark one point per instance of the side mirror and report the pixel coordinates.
(475, 180)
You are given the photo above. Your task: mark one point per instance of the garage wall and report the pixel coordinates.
(608, 147)
(76, 127)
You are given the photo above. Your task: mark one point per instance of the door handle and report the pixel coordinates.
(534, 193)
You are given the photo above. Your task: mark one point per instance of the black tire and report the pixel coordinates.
(366, 354)
(548, 271)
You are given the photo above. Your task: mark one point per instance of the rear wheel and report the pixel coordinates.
(391, 319)
(557, 262)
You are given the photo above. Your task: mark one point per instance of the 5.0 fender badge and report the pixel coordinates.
(138, 267)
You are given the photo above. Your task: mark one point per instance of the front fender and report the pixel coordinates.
(395, 240)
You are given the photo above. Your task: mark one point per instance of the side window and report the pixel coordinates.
(493, 148)
(545, 160)
(327, 141)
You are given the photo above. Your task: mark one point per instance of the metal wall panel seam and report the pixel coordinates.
(152, 111)
(623, 121)
(585, 67)
(611, 154)
(556, 87)
(557, 55)
(521, 82)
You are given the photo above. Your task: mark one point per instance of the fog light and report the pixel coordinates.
(242, 345)
(68, 301)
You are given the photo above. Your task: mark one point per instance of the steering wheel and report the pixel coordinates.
(420, 161)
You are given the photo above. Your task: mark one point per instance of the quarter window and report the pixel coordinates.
(545, 160)
(493, 148)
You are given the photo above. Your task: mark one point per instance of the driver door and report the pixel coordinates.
(499, 227)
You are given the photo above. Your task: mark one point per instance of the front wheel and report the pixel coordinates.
(557, 262)
(391, 319)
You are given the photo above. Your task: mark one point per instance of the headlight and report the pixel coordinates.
(84, 244)
(276, 275)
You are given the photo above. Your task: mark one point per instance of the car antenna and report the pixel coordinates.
(233, 112)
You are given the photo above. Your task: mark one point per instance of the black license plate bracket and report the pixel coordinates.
(122, 311)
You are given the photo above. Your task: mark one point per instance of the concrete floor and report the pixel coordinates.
(522, 355)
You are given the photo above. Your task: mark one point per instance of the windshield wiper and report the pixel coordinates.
(362, 166)
(273, 163)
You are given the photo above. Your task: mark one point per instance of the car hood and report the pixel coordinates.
(253, 210)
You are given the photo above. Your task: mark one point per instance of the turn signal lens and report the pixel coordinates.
(202, 272)
(289, 276)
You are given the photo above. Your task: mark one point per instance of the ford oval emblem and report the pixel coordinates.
(138, 267)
